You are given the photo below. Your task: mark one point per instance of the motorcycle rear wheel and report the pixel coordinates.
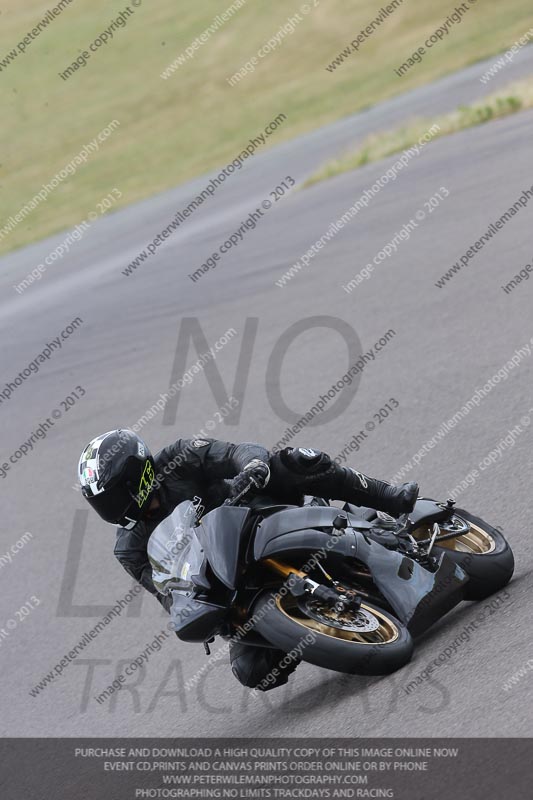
(483, 553)
(371, 643)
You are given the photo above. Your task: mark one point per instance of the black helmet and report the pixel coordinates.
(117, 476)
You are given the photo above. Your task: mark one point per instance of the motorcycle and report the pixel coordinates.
(347, 589)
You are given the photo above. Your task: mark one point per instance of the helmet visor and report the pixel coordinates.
(116, 505)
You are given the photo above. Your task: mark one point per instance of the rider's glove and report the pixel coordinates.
(256, 471)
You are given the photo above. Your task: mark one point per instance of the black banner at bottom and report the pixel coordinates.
(131, 769)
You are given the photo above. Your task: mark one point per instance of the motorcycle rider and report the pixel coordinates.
(129, 487)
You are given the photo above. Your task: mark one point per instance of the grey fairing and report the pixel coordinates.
(417, 596)
(195, 620)
(221, 534)
(302, 517)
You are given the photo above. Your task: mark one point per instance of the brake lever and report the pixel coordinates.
(232, 501)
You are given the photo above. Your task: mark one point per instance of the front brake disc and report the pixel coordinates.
(360, 621)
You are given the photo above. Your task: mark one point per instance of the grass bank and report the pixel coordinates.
(515, 97)
(194, 120)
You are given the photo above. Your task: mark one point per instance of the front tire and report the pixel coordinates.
(332, 643)
(484, 554)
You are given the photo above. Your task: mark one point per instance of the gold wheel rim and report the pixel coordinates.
(386, 633)
(476, 541)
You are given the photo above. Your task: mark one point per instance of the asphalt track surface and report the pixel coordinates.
(447, 342)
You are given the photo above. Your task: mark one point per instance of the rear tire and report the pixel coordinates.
(486, 557)
(283, 623)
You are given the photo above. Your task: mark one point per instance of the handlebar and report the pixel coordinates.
(233, 501)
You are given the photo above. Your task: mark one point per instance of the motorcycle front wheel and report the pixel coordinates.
(366, 642)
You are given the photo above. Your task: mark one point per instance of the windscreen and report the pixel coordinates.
(174, 551)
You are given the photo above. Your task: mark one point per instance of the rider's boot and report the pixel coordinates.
(394, 500)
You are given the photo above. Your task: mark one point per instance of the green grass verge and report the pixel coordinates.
(515, 97)
(171, 130)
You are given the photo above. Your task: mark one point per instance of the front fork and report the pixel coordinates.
(300, 584)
